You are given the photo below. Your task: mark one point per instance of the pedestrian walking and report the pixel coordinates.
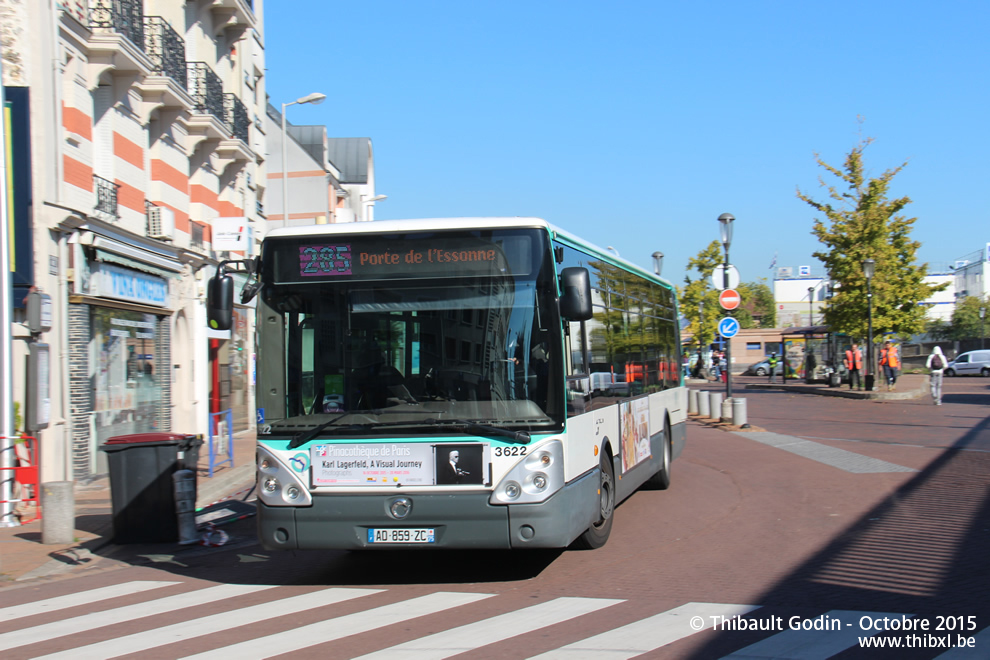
(890, 362)
(854, 365)
(772, 361)
(936, 364)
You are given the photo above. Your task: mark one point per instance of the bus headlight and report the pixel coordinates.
(534, 478)
(279, 485)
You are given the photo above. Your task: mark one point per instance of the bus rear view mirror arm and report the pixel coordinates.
(575, 294)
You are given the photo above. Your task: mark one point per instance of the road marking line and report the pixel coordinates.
(647, 634)
(80, 598)
(209, 625)
(813, 644)
(88, 622)
(345, 626)
(839, 458)
(475, 635)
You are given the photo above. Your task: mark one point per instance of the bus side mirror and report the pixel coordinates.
(575, 296)
(220, 301)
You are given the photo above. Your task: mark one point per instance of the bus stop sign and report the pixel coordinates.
(729, 299)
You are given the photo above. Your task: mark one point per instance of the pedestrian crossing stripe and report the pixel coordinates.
(87, 622)
(646, 634)
(83, 598)
(210, 624)
(624, 641)
(495, 629)
(344, 626)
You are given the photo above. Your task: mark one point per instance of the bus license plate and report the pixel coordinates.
(415, 535)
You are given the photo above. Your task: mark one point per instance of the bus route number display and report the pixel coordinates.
(324, 260)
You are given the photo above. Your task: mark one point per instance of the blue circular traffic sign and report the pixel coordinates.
(728, 327)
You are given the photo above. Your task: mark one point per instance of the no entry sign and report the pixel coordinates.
(729, 299)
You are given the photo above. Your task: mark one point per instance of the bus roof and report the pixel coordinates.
(435, 224)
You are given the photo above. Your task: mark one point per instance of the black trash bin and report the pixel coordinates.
(141, 490)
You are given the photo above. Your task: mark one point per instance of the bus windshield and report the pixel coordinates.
(376, 337)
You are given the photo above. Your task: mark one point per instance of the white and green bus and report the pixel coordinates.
(429, 383)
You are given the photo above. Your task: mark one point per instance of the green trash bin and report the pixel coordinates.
(141, 489)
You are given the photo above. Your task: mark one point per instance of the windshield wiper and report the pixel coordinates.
(306, 436)
(519, 437)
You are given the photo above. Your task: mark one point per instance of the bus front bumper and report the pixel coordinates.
(462, 520)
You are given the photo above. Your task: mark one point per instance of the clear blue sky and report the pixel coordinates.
(635, 124)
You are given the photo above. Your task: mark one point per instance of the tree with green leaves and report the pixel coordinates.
(758, 309)
(700, 292)
(966, 322)
(861, 223)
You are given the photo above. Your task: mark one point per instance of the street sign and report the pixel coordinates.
(729, 299)
(728, 327)
(718, 279)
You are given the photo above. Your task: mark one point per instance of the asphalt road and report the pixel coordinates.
(845, 514)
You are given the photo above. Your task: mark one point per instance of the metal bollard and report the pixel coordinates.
(727, 410)
(184, 483)
(703, 408)
(715, 404)
(739, 413)
(693, 402)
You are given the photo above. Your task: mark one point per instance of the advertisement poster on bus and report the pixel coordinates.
(635, 419)
(408, 464)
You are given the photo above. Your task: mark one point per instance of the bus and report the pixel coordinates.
(426, 384)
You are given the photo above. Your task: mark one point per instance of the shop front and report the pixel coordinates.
(120, 354)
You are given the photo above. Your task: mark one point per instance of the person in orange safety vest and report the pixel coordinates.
(854, 364)
(890, 362)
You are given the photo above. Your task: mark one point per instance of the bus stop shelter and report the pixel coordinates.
(813, 353)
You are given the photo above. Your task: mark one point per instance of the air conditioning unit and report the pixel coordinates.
(161, 223)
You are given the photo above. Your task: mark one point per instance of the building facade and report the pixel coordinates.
(145, 143)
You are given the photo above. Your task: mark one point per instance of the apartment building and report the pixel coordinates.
(143, 132)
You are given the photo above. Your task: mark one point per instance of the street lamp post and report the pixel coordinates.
(868, 269)
(315, 98)
(811, 305)
(725, 229)
(657, 262)
(701, 321)
(983, 313)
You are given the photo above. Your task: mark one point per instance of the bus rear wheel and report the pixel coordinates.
(661, 480)
(596, 535)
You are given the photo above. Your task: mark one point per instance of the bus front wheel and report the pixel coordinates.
(596, 535)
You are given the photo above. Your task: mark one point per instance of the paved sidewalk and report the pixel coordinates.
(909, 386)
(24, 557)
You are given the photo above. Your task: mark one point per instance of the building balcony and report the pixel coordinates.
(236, 117)
(167, 86)
(116, 41)
(206, 90)
(237, 15)
(166, 49)
(124, 17)
(106, 199)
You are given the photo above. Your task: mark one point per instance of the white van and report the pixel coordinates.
(972, 363)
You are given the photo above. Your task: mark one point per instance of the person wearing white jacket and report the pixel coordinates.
(936, 364)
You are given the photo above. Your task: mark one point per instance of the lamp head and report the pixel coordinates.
(657, 262)
(315, 98)
(725, 227)
(869, 267)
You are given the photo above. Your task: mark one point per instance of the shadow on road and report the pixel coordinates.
(923, 550)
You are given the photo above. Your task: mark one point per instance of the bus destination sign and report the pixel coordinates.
(371, 258)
